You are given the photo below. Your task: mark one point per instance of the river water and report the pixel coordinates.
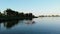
(41, 25)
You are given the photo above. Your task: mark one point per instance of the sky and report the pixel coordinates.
(37, 7)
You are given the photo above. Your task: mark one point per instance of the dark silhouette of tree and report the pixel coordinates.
(11, 12)
(21, 14)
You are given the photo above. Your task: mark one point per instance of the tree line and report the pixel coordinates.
(13, 13)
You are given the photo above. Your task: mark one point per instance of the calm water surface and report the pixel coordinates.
(42, 25)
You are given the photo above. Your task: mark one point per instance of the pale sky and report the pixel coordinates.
(37, 7)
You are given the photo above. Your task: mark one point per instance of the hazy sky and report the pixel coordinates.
(36, 7)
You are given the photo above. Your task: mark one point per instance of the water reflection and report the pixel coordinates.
(46, 25)
(29, 22)
(12, 23)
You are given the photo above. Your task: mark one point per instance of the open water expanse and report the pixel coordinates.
(41, 25)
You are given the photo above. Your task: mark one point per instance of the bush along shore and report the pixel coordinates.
(10, 14)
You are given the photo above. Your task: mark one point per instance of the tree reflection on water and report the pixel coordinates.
(12, 23)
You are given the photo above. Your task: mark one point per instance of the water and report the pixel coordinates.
(42, 25)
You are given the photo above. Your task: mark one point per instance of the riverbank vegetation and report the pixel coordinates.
(10, 14)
